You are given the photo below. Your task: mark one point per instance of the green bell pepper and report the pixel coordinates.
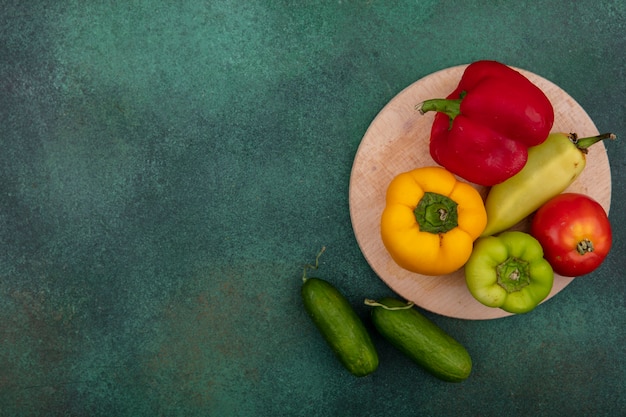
(509, 271)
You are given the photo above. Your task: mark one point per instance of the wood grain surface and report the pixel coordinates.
(397, 141)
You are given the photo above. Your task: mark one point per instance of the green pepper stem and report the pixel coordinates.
(513, 274)
(450, 107)
(584, 143)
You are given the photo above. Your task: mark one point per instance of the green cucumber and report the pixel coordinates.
(420, 339)
(340, 326)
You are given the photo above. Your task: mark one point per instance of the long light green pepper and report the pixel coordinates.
(551, 167)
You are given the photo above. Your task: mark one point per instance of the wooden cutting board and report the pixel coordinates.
(397, 141)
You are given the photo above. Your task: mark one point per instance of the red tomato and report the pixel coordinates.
(575, 233)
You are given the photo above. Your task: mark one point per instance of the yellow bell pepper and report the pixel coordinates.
(431, 220)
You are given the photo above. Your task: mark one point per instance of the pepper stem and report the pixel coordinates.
(513, 274)
(451, 107)
(584, 143)
(436, 213)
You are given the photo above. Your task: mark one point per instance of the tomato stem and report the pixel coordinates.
(584, 246)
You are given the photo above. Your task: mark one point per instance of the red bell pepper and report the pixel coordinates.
(483, 129)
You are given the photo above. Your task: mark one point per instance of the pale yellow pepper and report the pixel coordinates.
(431, 220)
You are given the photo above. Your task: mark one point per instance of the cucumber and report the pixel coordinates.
(340, 326)
(420, 339)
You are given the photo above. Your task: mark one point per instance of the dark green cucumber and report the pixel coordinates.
(340, 326)
(421, 340)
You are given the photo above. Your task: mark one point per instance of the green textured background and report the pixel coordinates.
(167, 168)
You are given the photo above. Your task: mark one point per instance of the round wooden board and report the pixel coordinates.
(397, 141)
